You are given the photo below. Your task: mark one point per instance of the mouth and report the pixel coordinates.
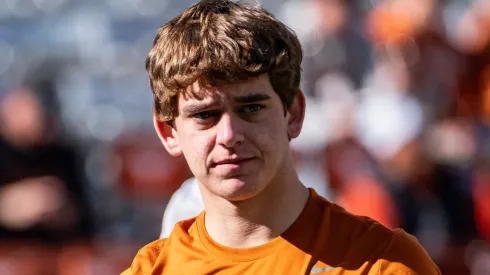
(231, 162)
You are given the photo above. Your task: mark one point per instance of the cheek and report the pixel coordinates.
(270, 137)
(196, 149)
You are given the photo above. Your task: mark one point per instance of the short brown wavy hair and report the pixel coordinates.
(221, 42)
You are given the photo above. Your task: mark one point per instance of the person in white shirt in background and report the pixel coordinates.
(185, 203)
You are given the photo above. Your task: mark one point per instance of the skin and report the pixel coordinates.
(235, 139)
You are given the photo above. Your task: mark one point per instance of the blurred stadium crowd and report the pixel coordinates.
(397, 126)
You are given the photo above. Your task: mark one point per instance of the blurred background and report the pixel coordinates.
(397, 126)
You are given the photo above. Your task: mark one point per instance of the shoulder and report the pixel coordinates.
(154, 254)
(146, 258)
(152, 248)
(355, 226)
(394, 250)
(403, 254)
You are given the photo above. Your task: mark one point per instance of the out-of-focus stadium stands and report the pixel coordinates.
(397, 126)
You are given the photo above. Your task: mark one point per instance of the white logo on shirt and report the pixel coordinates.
(316, 270)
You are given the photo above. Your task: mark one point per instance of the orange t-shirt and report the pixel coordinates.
(325, 239)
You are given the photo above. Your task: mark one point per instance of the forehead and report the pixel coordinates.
(197, 93)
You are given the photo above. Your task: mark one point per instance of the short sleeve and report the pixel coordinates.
(404, 255)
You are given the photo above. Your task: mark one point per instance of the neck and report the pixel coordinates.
(258, 220)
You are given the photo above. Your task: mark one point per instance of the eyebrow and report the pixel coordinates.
(251, 98)
(202, 107)
(196, 108)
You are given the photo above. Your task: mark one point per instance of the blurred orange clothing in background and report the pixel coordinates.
(325, 239)
(366, 196)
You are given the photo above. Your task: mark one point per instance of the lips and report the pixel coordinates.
(231, 161)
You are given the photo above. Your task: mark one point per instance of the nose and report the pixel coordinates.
(230, 131)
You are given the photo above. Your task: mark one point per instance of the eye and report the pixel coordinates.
(251, 108)
(205, 115)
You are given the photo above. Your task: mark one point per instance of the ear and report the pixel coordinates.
(168, 136)
(296, 115)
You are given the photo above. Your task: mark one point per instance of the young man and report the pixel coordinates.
(226, 77)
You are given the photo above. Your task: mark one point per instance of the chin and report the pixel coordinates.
(238, 189)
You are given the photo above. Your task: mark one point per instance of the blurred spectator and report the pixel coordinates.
(398, 122)
(42, 192)
(145, 171)
(332, 38)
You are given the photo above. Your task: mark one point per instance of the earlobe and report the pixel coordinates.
(168, 136)
(296, 115)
